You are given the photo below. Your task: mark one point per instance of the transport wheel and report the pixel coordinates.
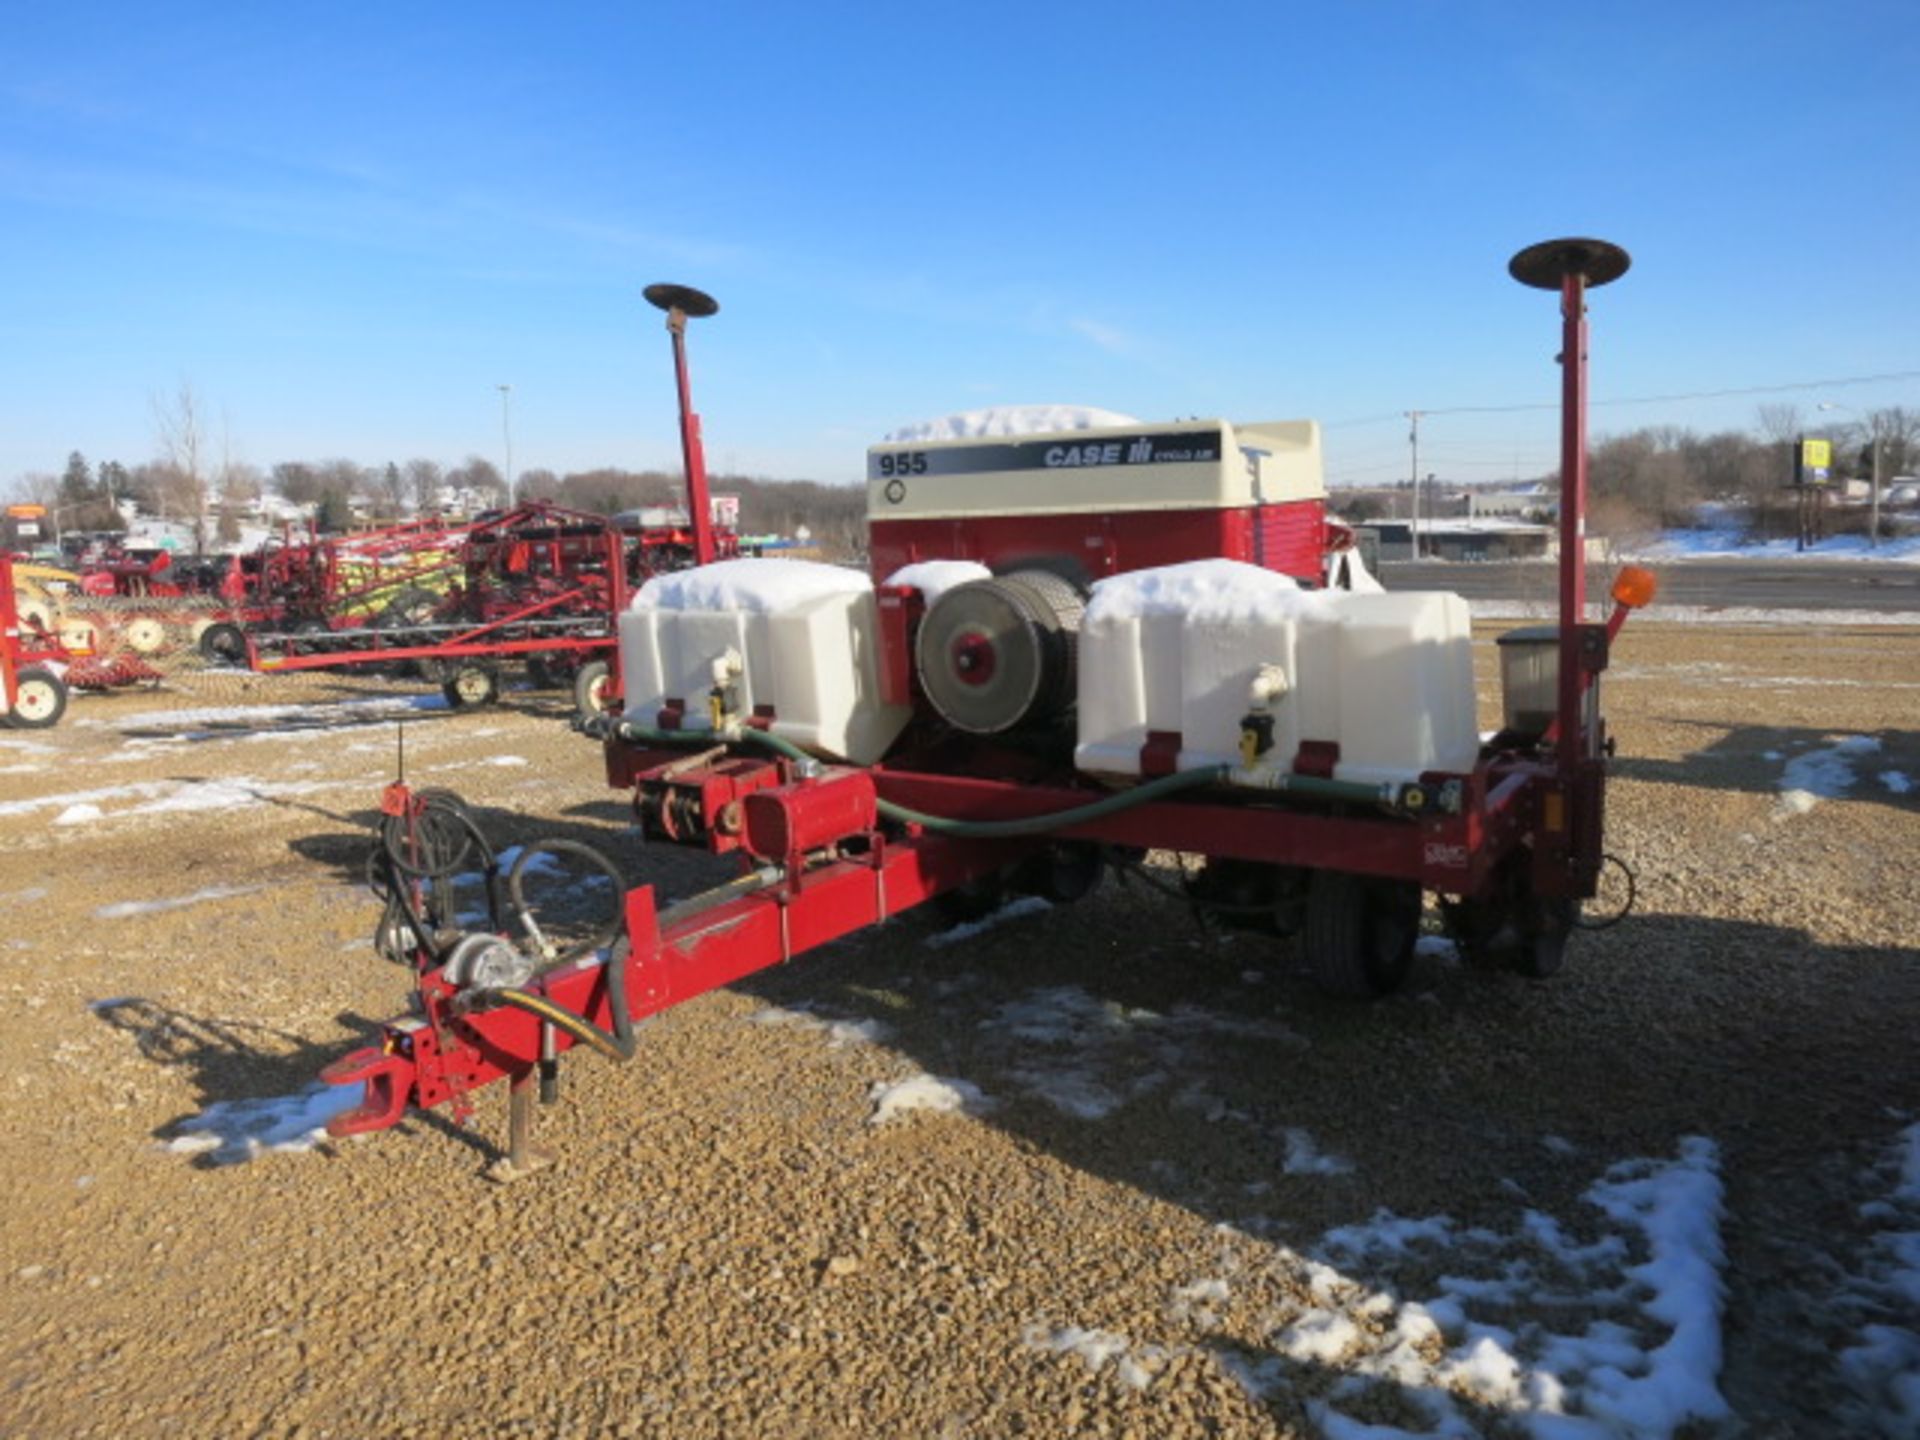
(1360, 933)
(223, 643)
(471, 686)
(591, 687)
(40, 699)
(310, 636)
(144, 634)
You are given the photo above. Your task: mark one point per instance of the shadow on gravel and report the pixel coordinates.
(1206, 1071)
(228, 1059)
(1772, 759)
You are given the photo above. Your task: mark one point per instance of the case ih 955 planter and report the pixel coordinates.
(1074, 648)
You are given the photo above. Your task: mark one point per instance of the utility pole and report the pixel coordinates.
(506, 433)
(1873, 524)
(1413, 476)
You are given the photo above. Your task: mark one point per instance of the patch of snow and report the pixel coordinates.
(1013, 910)
(1822, 774)
(839, 1033)
(1727, 542)
(162, 797)
(759, 587)
(126, 909)
(924, 1092)
(1208, 591)
(24, 897)
(78, 815)
(1883, 1367)
(1135, 1366)
(1464, 1352)
(1306, 1158)
(253, 716)
(933, 578)
(1008, 420)
(231, 1131)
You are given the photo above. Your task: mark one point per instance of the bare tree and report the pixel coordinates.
(182, 435)
(423, 479)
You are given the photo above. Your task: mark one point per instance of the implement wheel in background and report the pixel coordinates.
(591, 687)
(223, 643)
(471, 686)
(1360, 933)
(144, 634)
(40, 699)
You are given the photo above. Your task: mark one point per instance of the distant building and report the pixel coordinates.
(1482, 538)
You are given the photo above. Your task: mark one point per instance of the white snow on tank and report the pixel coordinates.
(1388, 677)
(933, 578)
(806, 638)
(1008, 420)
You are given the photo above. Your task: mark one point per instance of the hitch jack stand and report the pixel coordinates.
(524, 1155)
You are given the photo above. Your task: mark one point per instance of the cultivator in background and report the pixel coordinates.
(1006, 714)
(537, 585)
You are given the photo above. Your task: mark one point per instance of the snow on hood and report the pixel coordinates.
(1203, 590)
(1009, 420)
(762, 587)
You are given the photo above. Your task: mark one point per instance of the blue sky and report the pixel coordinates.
(345, 225)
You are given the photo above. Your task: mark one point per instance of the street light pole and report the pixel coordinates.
(506, 434)
(1413, 476)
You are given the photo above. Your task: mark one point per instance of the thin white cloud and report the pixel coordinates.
(1109, 338)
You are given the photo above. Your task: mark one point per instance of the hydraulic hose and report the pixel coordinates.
(1307, 786)
(619, 1043)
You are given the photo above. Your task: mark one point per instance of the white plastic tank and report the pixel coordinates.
(1183, 648)
(802, 635)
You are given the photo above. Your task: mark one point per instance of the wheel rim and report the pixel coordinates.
(472, 686)
(145, 635)
(597, 691)
(37, 699)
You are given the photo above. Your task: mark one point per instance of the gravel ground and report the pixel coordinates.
(1172, 1121)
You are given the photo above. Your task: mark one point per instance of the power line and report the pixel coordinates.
(1833, 384)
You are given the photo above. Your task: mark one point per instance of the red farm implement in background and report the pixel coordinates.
(33, 688)
(1019, 708)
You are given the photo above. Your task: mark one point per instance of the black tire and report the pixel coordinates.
(223, 643)
(1360, 933)
(590, 687)
(471, 686)
(40, 699)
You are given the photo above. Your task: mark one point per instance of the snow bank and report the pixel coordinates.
(933, 578)
(1665, 614)
(1218, 591)
(230, 1131)
(1008, 420)
(1724, 543)
(761, 587)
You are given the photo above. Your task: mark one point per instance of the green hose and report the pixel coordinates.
(1307, 786)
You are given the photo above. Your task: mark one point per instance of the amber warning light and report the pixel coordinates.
(1635, 587)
